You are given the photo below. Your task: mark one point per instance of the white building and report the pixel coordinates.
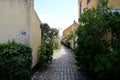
(19, 21)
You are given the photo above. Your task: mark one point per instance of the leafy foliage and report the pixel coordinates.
(48, 33)
(50, 42)
(56, 44)
(93, 54)
(65, 43)
(116, 31)
(69, 37)
(15, 61)
(46, 52)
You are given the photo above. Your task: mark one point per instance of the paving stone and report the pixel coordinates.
(62, 67)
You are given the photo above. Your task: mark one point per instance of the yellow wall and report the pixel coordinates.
(35, 36)
(13, 21)
(114, 3)
(17, 16)
(69, 29)
(94, 3)
(91, 4)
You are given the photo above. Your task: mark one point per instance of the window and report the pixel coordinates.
(98, 2)
(80, 7)
(88, 1)
(115, 10)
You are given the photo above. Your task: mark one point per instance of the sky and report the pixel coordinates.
(57, 13)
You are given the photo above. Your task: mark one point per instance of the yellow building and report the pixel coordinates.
(68, 31)
(82, 4)
(70, 28)
(19, 21)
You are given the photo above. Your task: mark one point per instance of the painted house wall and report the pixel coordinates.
(35, 36)
(113, 4)
(85, 4)
(13, 21)
(19, 21)
(68, 30)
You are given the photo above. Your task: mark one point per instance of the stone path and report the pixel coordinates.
(62, 67)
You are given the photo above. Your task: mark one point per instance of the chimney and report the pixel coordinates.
(74, 21)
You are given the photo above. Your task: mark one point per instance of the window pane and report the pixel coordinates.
(98, 2)
(115, 10)
(80, 7)
(88, 1)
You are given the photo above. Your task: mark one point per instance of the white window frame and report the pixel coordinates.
(115, 10)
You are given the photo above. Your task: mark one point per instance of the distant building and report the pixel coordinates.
(19, 21)
(67, 31)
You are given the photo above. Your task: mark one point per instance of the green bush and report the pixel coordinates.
(65, 43)
(49, 43)
(15, 61)
(93, 54)
(70, 36)
(46, 52)
(56, 44)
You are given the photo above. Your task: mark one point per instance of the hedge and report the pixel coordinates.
(15, 61)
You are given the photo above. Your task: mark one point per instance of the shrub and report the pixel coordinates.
(65, 43)
(49, 43)
(15, 61)
(93, 54)
(46, 52)
(56, 44)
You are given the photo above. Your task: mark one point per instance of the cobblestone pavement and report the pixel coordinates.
(62, 67)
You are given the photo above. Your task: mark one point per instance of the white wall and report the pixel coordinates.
(35, 36)
(19, 21)
(13, 21)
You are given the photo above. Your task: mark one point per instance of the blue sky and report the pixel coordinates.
(57, 13)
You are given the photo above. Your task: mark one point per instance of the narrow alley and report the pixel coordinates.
(62, 68)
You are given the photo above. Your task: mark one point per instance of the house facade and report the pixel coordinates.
(82, 4)
(19, 21)
(68, 31)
